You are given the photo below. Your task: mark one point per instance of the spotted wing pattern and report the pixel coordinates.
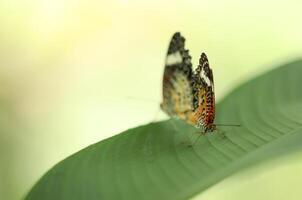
(187, 95)
(177, 80)
(204, 96)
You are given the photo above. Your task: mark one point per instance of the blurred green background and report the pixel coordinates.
(75, 72)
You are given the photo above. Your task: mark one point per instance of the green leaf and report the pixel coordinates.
(155, 162)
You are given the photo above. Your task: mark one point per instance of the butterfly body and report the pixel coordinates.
(188, 95)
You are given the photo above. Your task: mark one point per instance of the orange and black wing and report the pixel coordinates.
(178, 80)
(203, 94)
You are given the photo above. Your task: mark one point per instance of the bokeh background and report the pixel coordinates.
(75, 72)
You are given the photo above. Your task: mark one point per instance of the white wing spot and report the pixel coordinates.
(173, 59)
(205, 77)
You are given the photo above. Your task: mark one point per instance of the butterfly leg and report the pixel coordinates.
(221, 134)
(198, 137)
(189, 139)
(191, 136)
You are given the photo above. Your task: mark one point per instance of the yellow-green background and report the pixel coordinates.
(75, 72)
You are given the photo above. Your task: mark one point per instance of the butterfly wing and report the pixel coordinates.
(204, 96)
(177, 80)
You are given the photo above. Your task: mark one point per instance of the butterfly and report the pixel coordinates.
(187, 94)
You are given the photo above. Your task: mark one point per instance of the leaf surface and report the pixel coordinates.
(154, 161)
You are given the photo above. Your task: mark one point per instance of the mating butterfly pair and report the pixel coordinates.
(188, 95)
